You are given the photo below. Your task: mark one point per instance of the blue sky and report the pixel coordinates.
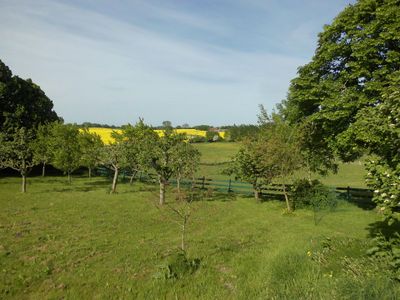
(195, 62)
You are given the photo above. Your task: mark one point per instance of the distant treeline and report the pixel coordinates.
(240, 132)
(90, 124)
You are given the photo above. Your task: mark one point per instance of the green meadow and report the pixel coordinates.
(215, 157)
(79, 242)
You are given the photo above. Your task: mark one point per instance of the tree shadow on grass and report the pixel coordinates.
(86, 187)
(71, 189)
(381, 227)
(100, 183)
(363, 202)
(216, 196)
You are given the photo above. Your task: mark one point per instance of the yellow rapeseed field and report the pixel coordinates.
(105, 133)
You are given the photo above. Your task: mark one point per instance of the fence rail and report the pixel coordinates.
(361, 196)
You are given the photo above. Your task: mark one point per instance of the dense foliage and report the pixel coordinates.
(22, 102)
(241, 132)
(17, 152)
(350, 95)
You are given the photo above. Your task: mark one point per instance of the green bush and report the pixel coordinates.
(387, 248)
(314, 195)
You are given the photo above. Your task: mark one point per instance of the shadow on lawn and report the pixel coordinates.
(381, 227)
(364, 203)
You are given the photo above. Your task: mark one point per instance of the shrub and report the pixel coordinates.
(314, 195)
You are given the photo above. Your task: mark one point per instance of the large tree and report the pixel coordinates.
(350, 94)
(349, 91)
(22, 102)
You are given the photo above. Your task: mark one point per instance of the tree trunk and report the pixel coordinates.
(23, 187)
(90, 172)
(289, 207)
(162, 191)
(132, 177)
(114, 183)
(69, 177)
(256, 192)
(183, 233)
(44, 169)
(178, 184)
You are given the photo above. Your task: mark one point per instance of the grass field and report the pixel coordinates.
(216, 155)
(79, 242)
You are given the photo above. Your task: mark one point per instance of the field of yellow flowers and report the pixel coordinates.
(105, 133)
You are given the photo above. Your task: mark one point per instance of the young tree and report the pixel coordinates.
(250, 166)
(139, 141)
(183, 210)
(280, 151)
(186, 162)
(164, 159)
(16, 152)
(65, 148)
(91, 148)
(114, 156)
(41, 146)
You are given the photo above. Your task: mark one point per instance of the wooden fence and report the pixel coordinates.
(359, 196)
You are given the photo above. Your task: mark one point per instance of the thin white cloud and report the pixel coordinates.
(97, 68)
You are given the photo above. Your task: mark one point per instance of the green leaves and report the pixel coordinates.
(65, 147)
(351, 71)
(22, 103)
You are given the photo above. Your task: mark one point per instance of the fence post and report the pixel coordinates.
(229, 186)
(348, 193)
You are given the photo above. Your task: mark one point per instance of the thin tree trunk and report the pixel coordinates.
(162, 191)
(256, 192)
(69, 177)
(289, 208)
(23, 187)
(178, 184)
(183, 233)
(132, 177)
(309, 170)
(44, 169)
(90, 172)
(114, 183)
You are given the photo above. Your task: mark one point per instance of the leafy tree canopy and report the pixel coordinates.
(22, 102)
(347, 81)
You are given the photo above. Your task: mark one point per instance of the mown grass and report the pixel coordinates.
(215, 157)
(79, 242)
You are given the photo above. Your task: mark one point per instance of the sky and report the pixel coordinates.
(195, 62)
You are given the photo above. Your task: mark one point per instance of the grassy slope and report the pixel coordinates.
(214, 155)
(80, 242)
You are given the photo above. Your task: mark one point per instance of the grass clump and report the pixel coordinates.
(178, 265)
